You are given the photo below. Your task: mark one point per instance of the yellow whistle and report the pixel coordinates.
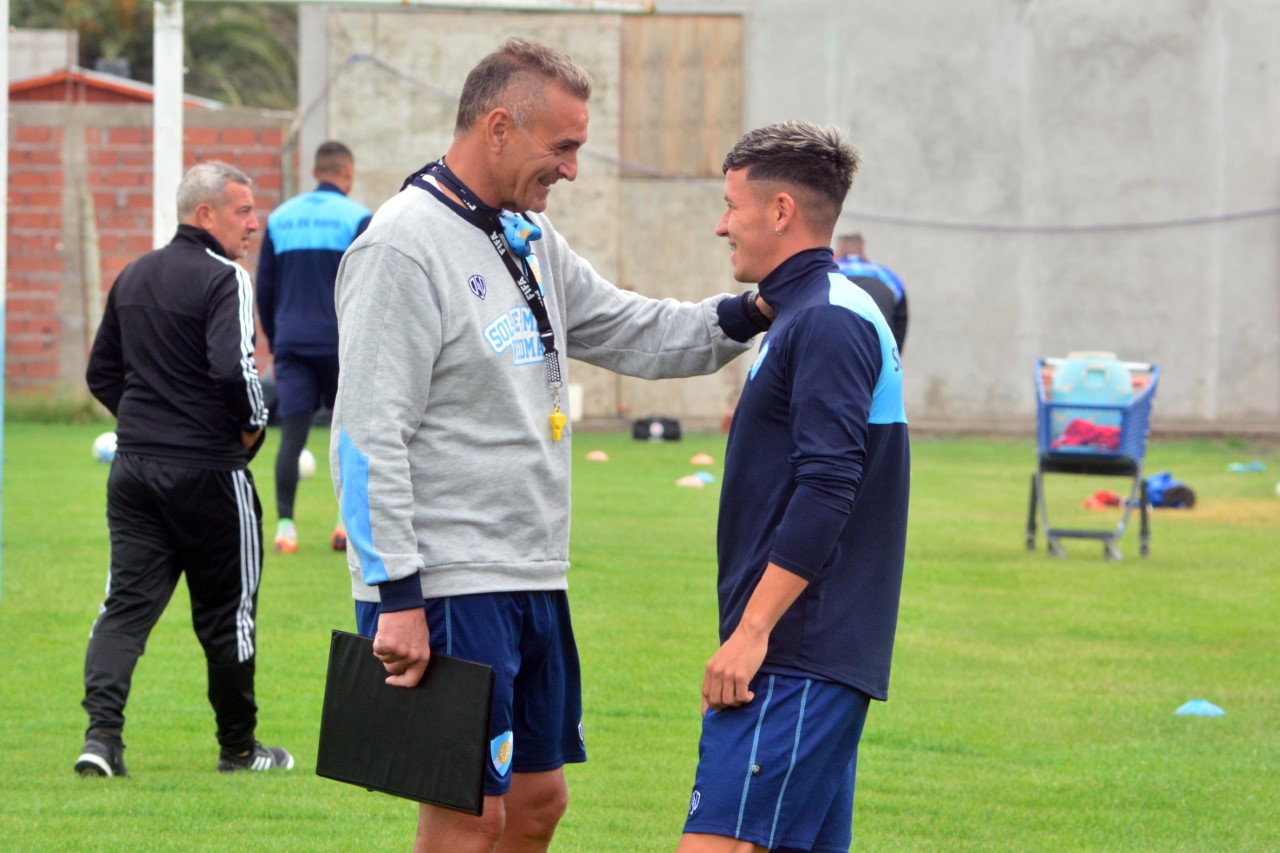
(558, 420)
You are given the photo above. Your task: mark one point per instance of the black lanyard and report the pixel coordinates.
(490, 220)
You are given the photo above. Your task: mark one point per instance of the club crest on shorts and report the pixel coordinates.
(695, 801)
(500, 751)
(478, 287)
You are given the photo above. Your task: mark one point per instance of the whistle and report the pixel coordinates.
(558, 420)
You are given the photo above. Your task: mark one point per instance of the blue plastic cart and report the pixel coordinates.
(1093, 412)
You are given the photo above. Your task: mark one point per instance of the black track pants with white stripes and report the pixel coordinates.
(168, 519)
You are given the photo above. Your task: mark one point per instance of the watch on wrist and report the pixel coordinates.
(754, 315)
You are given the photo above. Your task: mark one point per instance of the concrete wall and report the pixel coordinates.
(1017, 156)
(1073, 114)
(33, 52)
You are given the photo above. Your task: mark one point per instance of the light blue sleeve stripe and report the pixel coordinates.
(886, 401)
(355, 509)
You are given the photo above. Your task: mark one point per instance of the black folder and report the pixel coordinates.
(427, 743)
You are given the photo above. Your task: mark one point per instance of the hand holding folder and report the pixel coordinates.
(427, 743)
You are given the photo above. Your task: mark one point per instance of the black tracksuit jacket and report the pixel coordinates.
(173, 358)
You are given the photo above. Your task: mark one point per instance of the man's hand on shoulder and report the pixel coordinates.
(403, 644)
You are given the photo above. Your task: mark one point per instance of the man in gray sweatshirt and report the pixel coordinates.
(457, 311)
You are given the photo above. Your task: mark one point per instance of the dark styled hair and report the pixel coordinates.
(803, 156)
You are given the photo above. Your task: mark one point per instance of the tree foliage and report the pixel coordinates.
(243, 54)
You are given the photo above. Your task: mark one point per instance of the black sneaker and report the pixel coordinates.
(100, 758)
(259, 758)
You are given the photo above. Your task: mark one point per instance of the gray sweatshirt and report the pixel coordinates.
(441, 450)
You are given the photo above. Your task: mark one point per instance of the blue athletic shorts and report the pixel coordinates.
(779, 771)
(305, 383)
(536, 719)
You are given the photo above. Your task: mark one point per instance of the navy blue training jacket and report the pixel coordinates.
(298, 264)
(817, 477)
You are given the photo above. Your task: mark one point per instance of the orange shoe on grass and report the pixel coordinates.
(286, 536)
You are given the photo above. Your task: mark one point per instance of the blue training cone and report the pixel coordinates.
(1200, 708)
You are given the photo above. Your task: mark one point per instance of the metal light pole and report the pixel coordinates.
(167, 120)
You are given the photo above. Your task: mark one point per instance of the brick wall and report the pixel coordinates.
(79, 183)
(35, 255)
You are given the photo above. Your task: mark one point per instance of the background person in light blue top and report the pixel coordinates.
(880, 282)
(301, 250)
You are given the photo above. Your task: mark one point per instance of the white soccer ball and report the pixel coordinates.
(104, 447)
(306, 464)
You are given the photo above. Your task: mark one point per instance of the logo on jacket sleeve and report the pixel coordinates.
(477, 286)
(500, 752)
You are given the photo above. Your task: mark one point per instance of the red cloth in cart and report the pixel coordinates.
(1082, 433)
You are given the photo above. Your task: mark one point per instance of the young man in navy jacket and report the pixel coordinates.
(813, 516)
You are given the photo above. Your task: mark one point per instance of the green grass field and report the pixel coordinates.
(1031, 708)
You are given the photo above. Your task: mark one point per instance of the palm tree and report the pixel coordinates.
(244, 55)
(239, 53)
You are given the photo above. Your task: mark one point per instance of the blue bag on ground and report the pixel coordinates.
(1164, 491)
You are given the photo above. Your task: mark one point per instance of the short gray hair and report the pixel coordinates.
(505, 78)
(803, 155)
(206, 183)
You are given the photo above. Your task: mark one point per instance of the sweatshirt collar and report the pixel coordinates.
(201, 237)
(787, 283)
(326, 187)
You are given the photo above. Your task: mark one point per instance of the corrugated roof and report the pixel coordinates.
(75, 75)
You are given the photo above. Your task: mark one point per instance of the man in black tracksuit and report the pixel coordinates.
(173, 361)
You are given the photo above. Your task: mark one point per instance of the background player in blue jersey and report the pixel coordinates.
(879, 281)
(813, 516)
(301, 250)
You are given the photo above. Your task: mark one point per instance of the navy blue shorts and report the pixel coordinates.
(536, 719)
(779, 771)
(305, 383)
